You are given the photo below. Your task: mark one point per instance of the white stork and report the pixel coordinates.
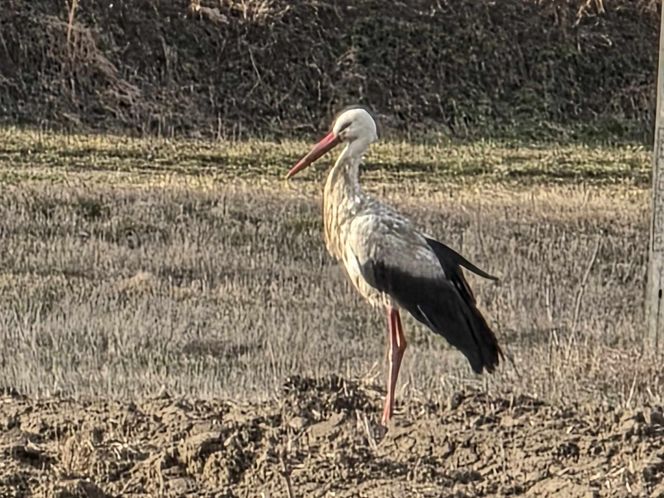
(390, 262)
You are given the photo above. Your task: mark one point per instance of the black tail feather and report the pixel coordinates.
(448, 256)
(481, 348)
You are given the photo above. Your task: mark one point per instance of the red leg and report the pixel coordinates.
(397, 343)
(391, 335)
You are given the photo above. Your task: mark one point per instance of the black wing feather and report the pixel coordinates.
(445, 306)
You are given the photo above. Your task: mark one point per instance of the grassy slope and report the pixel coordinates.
(129, 265)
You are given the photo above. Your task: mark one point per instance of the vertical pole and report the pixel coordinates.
(655, 285)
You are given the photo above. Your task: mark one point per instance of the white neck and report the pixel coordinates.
(345, 173)
(354, 151)
(342, 194)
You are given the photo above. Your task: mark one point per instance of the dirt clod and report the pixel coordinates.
(656, 418)
(80, 488)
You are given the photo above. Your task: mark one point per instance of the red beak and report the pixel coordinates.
(328, 142)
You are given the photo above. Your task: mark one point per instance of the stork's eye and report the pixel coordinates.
(343, 130)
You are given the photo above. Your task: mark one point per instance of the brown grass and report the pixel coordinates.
(128, 267)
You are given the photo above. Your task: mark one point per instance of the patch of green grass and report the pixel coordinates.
(30, 155)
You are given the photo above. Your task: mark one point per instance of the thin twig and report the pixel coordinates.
(70, 22)
(510, 358)
(631, 392)
(370, 438)
(286, 473)
(584, 282)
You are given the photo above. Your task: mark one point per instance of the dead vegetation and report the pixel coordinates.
(133, 266)
(255, 67)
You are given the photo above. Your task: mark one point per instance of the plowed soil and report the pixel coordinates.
(319, 437)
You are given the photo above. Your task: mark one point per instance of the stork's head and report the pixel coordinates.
(353, 125)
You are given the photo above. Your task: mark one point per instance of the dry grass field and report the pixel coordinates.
(152, 287)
